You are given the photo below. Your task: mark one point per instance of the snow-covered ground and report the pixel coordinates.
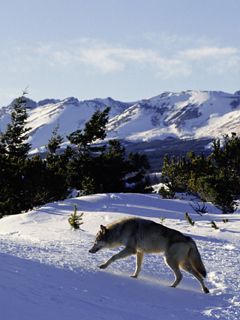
(46, 271)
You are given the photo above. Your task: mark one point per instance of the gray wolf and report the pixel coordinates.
(139, 236)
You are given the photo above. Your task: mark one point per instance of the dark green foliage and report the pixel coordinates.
(174, 173)
(166, 193)
(114, 168)
(14, 151)
(94, 129)
(13, 140)
(88, 186)
(218, 190)
(84, 161)
(75, 219)
(137, 166)
(11, 186)
(27, 182)
(35, 192)
(54, 142)
(215, 178)
(95, 168)
(56, 168)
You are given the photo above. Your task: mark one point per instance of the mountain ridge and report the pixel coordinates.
(191, 114)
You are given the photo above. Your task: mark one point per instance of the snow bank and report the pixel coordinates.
(46, 271)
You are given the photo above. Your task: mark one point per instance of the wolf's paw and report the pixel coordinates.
(205, 290)
(103, 266)
(133, 276)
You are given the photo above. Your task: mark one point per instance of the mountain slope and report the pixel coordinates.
(184, 115)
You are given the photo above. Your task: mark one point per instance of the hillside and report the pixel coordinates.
(47, 273)
(184, 115)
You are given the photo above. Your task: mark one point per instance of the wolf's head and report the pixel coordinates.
(101, 240)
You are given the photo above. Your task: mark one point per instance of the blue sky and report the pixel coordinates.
(126, 49)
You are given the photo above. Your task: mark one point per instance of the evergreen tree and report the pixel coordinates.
(14, 152)
(56, 166)
(137, 166)
(94, 129)
(103, 168)
(35, 182)
(83, 162)
(55, 141)
(112, 168)
(88, 185)
(13, 140)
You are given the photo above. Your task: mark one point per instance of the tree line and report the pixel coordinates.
(214, 178)
(26, 182)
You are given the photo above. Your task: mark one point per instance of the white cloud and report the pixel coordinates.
(213, 60)
(105, 59)
(208, 52)
(108, 58)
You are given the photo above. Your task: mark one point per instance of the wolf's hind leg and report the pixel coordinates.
(173, 264)
(120, 255)
(139, 259)
(189, 269)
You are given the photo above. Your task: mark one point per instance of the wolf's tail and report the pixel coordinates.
(196, 261)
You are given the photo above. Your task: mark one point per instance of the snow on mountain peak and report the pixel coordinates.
(47, 101)
(188, 114)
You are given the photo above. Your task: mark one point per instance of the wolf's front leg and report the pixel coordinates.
(121, 255)
(139, 259)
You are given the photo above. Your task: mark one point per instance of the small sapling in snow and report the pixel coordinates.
(162, 219)
(189, 219)
(75, 219)
(214, 226)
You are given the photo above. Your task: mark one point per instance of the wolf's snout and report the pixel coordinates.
(93, 250)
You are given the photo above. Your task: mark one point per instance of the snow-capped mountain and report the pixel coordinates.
(184, 115)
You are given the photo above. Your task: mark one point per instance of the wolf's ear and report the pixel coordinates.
(103, 228)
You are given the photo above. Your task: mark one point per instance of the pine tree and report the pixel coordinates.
(55, 141)
(56, 165)
(84, 160)
(14, 152)
(88, 186)
(75, 219)
(94, 129)
(112, 168)
(137, 166)
(13, 140)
